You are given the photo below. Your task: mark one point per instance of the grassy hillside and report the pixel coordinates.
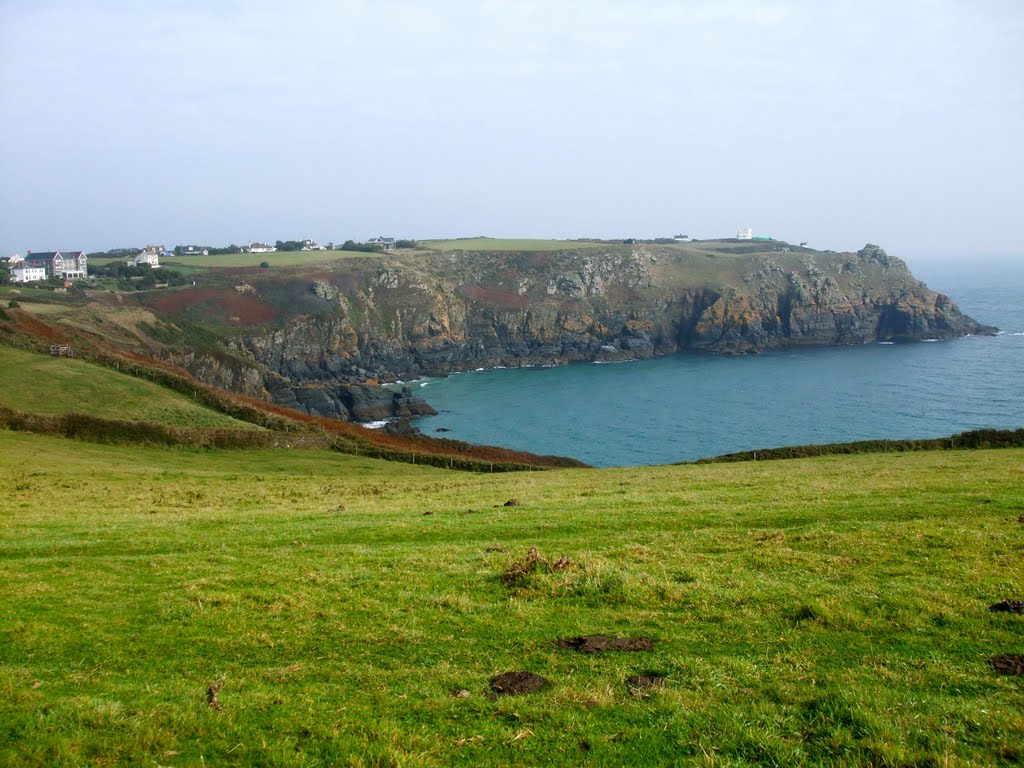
(49, 386)
(818, 611)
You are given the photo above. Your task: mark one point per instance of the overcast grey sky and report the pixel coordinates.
(222, 121)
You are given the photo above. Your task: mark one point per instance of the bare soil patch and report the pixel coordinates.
(1008, 606)
(600, 643)
(642, 683)
(520, 569)
(1008, 664)
(518, 682)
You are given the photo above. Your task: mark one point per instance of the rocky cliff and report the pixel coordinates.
(431, 312)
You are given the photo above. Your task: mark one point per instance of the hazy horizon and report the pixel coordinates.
(838, 124)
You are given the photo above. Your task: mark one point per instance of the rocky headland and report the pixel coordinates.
(323, 341)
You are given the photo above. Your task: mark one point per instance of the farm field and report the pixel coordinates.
(50, 386)
(181, 607)
(276, 259)
(504, 244)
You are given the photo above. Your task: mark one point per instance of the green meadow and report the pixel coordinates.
(504, 244)
(276, 259)
(50, 386)
(303, 608)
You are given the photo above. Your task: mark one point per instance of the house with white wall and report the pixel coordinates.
(24, 274)
(149, 255)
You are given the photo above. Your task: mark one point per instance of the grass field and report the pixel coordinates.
(51, 386)
(276, 259)
(504, 244)
(814, 612)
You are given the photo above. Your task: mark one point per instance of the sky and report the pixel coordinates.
(220, 121)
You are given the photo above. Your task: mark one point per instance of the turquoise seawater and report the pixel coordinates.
(690, 405)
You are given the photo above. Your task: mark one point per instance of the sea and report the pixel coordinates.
(694, 405)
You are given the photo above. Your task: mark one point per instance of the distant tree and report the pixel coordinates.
(288, 245)
(406, 244)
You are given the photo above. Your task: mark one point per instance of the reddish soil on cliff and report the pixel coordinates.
(223, 304)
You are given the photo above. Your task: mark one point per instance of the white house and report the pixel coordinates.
(309, 245)
(745, 233)
(194, 250)
(261, 248)
(149, 255)
(385, 243)
(24, 274)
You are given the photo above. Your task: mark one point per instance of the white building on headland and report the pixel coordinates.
(149, 255)
(261, 248)
(745, 233)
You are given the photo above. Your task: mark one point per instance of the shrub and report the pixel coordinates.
(12, 304)
(264, 265)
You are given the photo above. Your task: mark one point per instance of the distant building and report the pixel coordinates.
(385, 243)
(309, 245)
(23, 274)
(682, 238)
(194, 250)
(149, 255)
(745, 233)
(261, 248)
(69, 265)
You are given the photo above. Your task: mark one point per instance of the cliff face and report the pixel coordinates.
(441, 312)
(428, 313)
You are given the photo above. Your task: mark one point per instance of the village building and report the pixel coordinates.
(745, 233)
(385, 243)
(149, 255)
(261, 248)
(309, 245)
(194, 250)
(69, 265)
(22, 274)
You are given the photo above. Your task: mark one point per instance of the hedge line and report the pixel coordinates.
(95, 429)
(974, 439)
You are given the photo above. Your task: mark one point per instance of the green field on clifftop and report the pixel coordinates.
(50, 386)
(179, 607)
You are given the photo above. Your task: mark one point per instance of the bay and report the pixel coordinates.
(690, 405)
